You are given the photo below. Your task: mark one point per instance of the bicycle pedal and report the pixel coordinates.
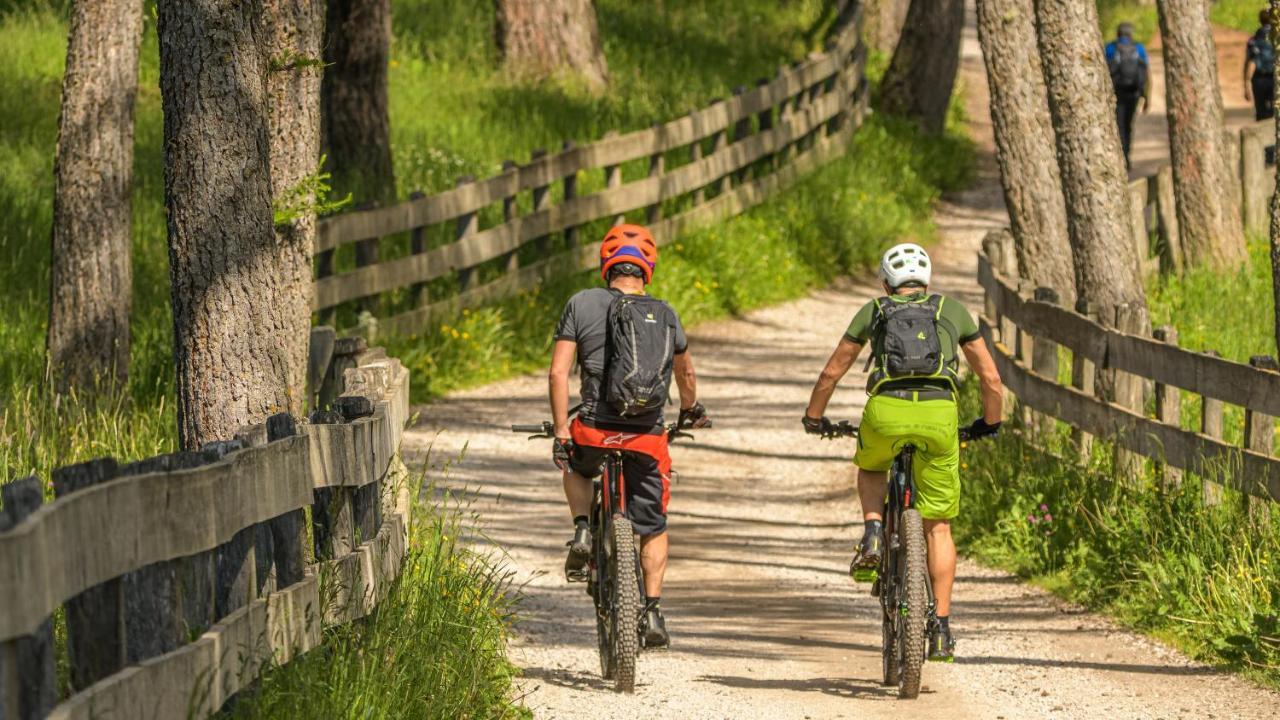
(865, 575)
(578, 576)
(950, 659)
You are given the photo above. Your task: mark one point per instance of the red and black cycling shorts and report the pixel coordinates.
(646, 470)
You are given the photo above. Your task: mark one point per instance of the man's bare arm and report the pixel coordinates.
(562, 354)
(837, 365)
(979, 358)
(686, 380)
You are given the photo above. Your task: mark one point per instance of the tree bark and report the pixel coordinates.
(1025, 144)
(228, 288)
(354, 116)
(90, 273)
(1094, 180)
(882, 23)
(1275, 199)
(1208, 214)
(921, 75)
(540, 38)
(294, 38)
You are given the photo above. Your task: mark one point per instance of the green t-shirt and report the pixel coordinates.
(955, 327)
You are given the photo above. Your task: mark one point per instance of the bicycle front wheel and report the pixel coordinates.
(625, 608)
(913, 606)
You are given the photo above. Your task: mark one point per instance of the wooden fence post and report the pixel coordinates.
(1083, 378)
(657, 165)
(991, 246)
(541, 201)
(1130, 319)
(764, 120)
(243, 563)
(741, 129)
(345, 350)
(1171, 257)
(1211, 424)
(786, 108)
(1138, 223)
(1255, 200)
(365, 499)
(319, 357)
(332, 529)
(1168, 408)
(288, 531)
(509, 209)
(28, 683)
(1044, 358)
(613, 179)
(418, 292)
(467, 225)
(570, 192)
(1260, 437)
(95, 617)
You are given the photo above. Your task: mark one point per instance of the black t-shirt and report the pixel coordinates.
(584, 322)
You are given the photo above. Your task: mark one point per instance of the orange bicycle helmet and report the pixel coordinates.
(628, 244)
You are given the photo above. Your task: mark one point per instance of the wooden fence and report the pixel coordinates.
(181, 576)
(703, 167)
(1147, 374)
(1155, 219)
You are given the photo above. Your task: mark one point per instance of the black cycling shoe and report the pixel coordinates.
(575, 566)
(653, 628)
(866, 562)
(942, 646)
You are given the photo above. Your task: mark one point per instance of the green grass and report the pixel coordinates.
(434, 648)
(1202, 578)
(453, 113)
(1238, 14)
(1232, 313)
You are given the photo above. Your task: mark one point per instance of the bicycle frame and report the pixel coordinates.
(901, 496)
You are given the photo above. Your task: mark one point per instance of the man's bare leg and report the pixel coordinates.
(942, 562)
(872, 488)
(578, 491)
(653, 558)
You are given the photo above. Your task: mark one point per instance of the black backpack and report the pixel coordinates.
(1264, 59)
(640, 352)
(905, 343)
(1126, 67)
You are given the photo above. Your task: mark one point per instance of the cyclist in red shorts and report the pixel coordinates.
(627, 259)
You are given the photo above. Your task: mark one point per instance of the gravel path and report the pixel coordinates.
(764, 620)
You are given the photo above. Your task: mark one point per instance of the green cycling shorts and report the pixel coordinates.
(888, 423)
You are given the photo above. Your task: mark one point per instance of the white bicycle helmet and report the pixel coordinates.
(905, 263)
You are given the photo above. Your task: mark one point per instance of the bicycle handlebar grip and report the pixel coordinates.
(528, 428)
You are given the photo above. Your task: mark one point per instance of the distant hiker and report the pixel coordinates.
(1127, 61)
(1260, 74)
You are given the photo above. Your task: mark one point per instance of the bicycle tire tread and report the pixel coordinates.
(914, 623)
(627, 593)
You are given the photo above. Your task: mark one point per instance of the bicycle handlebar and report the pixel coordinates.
(547, 430)
(844, 428)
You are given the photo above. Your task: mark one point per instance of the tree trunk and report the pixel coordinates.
(228, 279)
(539, 38)
(294, 38)
(882, 23)
(1025, 144)
(90, 274)
(1094, 180)
(1208, 214)
(921, 75)
(354, 115)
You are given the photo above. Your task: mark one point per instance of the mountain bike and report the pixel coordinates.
(908, 608)
(614, 577)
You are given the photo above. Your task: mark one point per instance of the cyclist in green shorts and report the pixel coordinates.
(915, 337)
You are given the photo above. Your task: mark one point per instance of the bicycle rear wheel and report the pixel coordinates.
(624, 615)
(913, 606)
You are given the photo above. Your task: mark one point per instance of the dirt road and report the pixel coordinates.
(764, 619)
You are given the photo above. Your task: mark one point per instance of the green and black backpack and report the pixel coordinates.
(905, 344)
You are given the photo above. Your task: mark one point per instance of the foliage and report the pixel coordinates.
(1231, 313)
(308, 196)
(1201, 577)
(1238, 14)
(435, 647)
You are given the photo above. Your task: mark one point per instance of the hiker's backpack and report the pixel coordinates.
(905, 343)
(640, 351)
(1126, 67)
(1264, 60)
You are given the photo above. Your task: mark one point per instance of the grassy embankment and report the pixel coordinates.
(1238, 14)
(435, 647)
(1206, 579)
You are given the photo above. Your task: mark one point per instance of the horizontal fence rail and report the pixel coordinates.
(181, 577)
(707, 165)
(1142, 411)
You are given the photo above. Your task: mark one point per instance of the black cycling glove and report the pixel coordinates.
(981, 428)
(561, 453)
(817, 426)
(694, 417)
